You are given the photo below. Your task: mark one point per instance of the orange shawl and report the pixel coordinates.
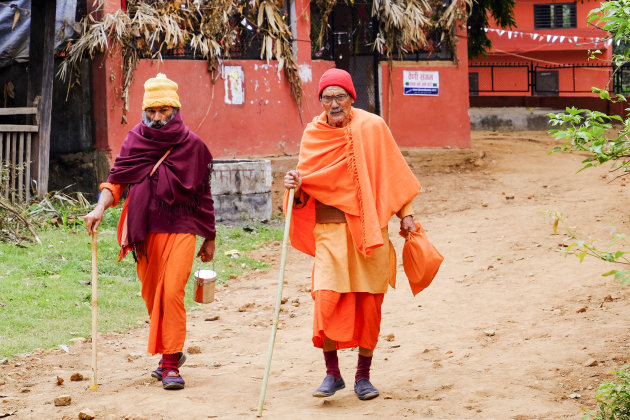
(357, 169)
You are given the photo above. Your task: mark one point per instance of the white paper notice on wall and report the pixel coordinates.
(234, 80)
(421, 83)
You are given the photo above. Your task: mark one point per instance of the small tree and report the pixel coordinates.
(502, 11)
(605, 138)
(614, 397)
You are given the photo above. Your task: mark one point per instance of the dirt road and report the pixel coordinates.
(510, 328)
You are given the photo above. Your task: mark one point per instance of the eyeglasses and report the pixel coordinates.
(327, 100)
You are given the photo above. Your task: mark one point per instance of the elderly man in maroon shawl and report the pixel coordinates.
(167, 169)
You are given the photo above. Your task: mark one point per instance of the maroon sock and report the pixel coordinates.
(169, 362)
(363, 368)
(332, 364)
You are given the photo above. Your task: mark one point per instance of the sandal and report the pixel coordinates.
(172, 380)
(157, 373)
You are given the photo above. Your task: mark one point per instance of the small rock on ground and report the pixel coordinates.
(63, 400)
(244, 308)
(133, 356)
(86, 414)
(194, 349)
(76, 377)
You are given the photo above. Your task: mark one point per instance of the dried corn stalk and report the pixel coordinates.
(326, 6)
(277, 44)
(208, 26)
(403, 24)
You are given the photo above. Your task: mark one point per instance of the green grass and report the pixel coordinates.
(44, 301)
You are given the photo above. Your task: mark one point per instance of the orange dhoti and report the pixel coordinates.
(349, 287)
(351, 319)
(163, 274)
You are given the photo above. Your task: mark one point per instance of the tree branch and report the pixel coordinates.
(17, 214)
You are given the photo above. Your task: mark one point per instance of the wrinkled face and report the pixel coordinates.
(337, 103)
(158, 116)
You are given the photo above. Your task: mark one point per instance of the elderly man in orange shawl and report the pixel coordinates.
(350, 179)
(169, 203)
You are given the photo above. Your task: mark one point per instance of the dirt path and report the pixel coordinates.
(510, 328)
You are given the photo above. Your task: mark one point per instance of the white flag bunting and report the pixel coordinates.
(550, 38)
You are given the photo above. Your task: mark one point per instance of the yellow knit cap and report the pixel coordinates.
(160, 91)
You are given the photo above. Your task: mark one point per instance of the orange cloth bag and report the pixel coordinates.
(421, 260)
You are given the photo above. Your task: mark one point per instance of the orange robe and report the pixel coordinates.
(163, 275)
(348, 287)
(359, 170)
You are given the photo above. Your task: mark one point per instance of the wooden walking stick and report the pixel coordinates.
(274, 328)
(94, 307)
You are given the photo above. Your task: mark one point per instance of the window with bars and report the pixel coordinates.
(360, 30)
(554, 16)
(248, 38)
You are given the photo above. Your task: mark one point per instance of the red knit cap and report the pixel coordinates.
(337, 77)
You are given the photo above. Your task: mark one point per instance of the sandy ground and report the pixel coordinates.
(509, 329)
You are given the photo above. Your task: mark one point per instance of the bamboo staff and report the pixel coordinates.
(94, 307)
(274, 328)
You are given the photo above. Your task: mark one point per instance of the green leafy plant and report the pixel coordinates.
(500, 11)
(613, 397)
(605, 140)
(590, 131)
(610, 252)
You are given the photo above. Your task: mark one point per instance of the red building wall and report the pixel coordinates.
(429, 121)
(268, 121)
(529, 46)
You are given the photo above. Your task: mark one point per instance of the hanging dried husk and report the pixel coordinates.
(277, 44)
(404, 24)
(150, 27)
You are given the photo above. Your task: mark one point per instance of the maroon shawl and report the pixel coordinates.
(177, 198)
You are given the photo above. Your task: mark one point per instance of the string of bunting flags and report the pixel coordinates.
(552, 39)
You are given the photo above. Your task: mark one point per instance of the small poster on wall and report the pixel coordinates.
(421, 83)
(234, 80)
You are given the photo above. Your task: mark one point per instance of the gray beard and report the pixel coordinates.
(157, 124)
